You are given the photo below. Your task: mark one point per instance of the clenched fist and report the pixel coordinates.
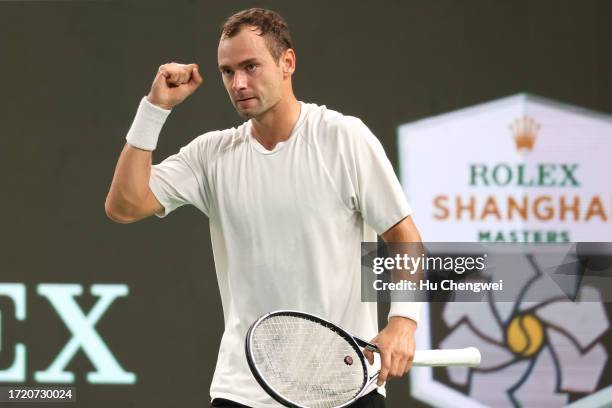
(173, 84)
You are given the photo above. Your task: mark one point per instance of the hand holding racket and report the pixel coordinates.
(303, 361)
(395, 344)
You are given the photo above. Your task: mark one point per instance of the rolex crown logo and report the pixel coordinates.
(524, 130)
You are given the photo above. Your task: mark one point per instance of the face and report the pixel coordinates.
(252, 78)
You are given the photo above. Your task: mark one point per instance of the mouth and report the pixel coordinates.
(245, 99)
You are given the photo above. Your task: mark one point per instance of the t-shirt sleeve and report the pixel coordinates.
(375, 189)
(181, 179)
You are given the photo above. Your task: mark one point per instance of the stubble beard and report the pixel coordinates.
(252, 114)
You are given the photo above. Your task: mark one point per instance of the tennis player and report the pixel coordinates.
(290, 195)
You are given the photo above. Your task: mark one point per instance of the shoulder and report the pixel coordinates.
(218, 141)
(327, 126)
(323, 117)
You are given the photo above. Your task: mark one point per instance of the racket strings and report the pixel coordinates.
(305, 362)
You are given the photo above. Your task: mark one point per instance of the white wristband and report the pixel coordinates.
(146, 126)
(410, 310)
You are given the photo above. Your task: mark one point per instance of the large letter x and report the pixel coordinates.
(84, 335)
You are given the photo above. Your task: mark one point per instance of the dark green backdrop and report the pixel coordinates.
(71, 76)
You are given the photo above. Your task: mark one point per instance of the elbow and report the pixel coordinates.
(403, 231)
(116, 214)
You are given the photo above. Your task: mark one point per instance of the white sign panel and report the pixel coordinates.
(521, 169)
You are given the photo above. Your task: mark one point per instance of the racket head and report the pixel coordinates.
(304, 361)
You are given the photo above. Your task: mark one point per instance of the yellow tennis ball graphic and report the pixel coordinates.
(525, 335)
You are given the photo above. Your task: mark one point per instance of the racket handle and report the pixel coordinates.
(469, 356)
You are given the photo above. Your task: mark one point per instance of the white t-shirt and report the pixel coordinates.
(286, 226)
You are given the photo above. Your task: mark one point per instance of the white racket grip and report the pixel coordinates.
(469, 356)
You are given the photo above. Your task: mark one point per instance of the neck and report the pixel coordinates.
(276, 124)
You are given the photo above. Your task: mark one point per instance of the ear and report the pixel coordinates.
(288, 62)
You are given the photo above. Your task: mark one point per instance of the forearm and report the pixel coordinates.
(396, 341)
(130, 197)
(405, 239)
(129, 189)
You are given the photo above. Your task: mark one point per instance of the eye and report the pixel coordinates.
(226, 72)
(251, 67)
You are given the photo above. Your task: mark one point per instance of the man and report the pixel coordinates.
(288, 194)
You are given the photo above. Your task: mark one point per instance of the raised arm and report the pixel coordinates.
(130, 199)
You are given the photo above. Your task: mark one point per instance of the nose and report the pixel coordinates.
(239, 81)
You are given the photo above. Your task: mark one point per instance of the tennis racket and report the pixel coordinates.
(304, 361)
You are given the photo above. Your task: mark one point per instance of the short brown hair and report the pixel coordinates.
(270, 24)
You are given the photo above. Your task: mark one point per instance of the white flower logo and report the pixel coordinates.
(533, 354)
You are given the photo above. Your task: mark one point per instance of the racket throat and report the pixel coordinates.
(368, 385)
(366, 345)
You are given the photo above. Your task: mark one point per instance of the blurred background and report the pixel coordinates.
(72, 74)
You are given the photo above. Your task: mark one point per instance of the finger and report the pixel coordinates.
(410, 355)
(162, 70)
(177, 71)
(173, 79)
(385, 359)
(401, 363)
(169, 68)
(408, 363)
(369, 356)
(397, 366)
(408, 367)
(195, 75)
(185, 74)
(401, 366)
